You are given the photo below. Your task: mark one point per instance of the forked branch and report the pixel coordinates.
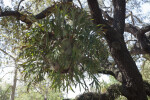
(28, 19)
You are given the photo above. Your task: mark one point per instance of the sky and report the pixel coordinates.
(8, 78)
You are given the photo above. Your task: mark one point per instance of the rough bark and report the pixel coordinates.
(133, 82)
(113, 92)
(138, 33)
(27, 19)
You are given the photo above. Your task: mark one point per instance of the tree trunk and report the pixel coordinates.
(45, 96)
(132, 79)
(14, 83)
(133, 82)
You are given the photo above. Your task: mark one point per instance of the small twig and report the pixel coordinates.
(80, 4)
(138, 19)
(7, 54)
(5, 75)
(19, 4)
(132, 18)
(130, 40)
(6, 91)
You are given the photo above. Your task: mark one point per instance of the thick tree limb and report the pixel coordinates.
(96, 12)
(119, 15)
(9, 13)
(106, 16)
(111, 69)
(113, 92)
(116, 74)
(141, 37)
(137, 51)
(46, 12)
(107, 72)
(28, 20)
(136, 30)
(143, 40)
(145, 29)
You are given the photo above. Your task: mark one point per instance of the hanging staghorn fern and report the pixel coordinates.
(64, 46)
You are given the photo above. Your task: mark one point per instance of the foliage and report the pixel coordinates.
(38, 92)
(5, 91)
(11, 32)
(145, 68)
(88, 96)
(64, 45)
(105, 85)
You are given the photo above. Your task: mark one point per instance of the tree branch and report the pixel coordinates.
(143, 40)
(18, 15)
(95, 12)
(19, 5)
(147, 88)
(131, 29)
(107, 72)
(9, 13)
(145, 29)
(80, 4)
(28, 20)
(137, 51)
(119, 15)
(111, 69)
(141, 37)
(116, 74)
(8, 54)
(106, 16)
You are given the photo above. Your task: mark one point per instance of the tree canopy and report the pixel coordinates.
(70, 40)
